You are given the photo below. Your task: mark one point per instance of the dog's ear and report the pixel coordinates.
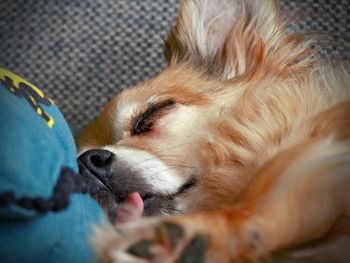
(202, 27)
(227, 36)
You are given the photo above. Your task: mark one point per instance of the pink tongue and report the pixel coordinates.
(130, 209)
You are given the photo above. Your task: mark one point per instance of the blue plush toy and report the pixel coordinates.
(44, 215)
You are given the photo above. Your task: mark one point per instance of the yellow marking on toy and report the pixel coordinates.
(51, 122)
(15, 87)
(17, 80)
(33, 100)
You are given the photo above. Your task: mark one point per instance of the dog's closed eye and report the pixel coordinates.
(143, 123)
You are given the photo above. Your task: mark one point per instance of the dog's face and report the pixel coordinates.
(157, 136)
(179, 140)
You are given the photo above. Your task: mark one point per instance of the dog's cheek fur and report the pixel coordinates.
(255, 54)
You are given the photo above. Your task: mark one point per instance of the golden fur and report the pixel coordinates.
(261, 120)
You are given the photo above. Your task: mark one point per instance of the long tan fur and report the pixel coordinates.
(261, 120)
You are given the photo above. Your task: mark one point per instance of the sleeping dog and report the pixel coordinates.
(238, 149)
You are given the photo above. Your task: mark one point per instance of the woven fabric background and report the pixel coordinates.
(83, 52)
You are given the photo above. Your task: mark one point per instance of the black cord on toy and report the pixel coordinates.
(68, 182)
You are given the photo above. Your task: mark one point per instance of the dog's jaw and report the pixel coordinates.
(141, 185)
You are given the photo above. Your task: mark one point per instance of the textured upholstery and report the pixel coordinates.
(82, 52)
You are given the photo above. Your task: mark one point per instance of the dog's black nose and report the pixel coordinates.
(97, 161)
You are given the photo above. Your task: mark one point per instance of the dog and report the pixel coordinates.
(238, 150)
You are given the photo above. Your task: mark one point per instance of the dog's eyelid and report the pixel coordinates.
(189, 184)
(142, 122)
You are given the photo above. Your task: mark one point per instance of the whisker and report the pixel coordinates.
(167, 149)
(172, 147)
(165, 157)
(173, 162)
(175, 167)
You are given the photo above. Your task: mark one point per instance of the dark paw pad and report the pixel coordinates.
(142, 249)
(173, 233)
(255, 237)
(195, 250)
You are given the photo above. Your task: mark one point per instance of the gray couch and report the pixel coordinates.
(82, 52)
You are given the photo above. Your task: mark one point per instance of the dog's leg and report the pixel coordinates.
(296, 197)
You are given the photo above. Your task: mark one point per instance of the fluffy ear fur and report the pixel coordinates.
(231, 37)
(203, 25)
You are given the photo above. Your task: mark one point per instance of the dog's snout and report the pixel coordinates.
(97, 161)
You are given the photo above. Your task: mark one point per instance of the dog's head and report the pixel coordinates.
(169, 139)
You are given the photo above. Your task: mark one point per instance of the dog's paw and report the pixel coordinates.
(183, 239)
(169, 242)
(153, 240)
